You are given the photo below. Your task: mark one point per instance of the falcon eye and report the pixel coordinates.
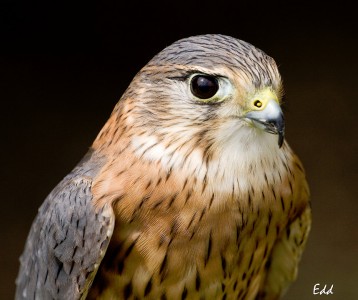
(204, 86)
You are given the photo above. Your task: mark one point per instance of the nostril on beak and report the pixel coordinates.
(258, 103)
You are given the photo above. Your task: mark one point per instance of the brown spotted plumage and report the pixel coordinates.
(188, 192)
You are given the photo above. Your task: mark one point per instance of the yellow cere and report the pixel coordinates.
(260, 99)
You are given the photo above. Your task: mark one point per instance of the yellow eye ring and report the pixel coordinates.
(258, 103)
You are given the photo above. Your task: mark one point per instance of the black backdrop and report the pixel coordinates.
(64, 66)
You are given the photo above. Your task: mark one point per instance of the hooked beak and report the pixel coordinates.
(270, 119)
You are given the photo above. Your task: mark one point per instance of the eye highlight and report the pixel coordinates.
(204, 86)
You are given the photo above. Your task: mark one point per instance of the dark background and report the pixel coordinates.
(64, 66)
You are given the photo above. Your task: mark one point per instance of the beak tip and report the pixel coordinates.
(270, 119)
(280, 140)
(281, 133)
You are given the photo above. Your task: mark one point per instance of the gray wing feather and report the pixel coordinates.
(67, 241)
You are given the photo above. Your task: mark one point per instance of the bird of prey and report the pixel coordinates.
(189, 191)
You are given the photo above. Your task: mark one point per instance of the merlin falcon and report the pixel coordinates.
(189, 191)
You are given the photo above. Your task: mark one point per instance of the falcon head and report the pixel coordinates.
(212, 92)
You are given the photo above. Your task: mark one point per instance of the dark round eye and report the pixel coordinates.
(204, 86)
